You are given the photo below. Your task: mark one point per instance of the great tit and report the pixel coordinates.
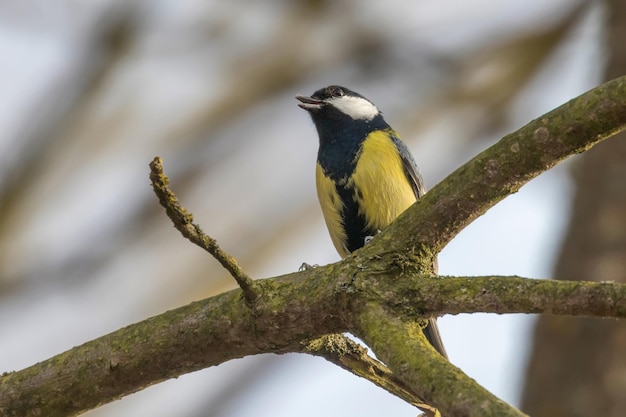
(365, 175)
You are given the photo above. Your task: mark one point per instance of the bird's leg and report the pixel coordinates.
(368, 239)
(305, 267)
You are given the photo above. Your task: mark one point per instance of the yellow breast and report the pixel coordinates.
(332, 207)
(382, 188)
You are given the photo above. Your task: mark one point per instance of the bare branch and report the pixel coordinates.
(306, 305)
(504, 168)
(183, 221)
(199, 335)
(349, 355)
(362, 294)
(435, 296)
(401, 344)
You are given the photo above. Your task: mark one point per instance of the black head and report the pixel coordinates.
(337, 102)
(341, 114)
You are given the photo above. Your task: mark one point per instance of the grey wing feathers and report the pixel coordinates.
(431, 331)
(410, 167)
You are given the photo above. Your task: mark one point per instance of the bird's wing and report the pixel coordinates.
(410, 167)
(417, 183)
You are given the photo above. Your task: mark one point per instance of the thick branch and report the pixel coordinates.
(403, 347)
(504, 168)
(435, 296)
(197, 336)
(355, 295)
(306, 305)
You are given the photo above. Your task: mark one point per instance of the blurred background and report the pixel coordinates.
(91, 91)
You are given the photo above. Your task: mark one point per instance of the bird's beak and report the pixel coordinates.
(309, 103)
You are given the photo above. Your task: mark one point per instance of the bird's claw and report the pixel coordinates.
(306, 267)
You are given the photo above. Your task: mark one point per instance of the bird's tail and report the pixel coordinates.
(431, 331)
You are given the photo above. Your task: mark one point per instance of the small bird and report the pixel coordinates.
(365, 175)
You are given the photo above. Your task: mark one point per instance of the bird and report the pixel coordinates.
(365, 175)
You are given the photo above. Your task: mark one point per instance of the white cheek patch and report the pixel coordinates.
(357, 108)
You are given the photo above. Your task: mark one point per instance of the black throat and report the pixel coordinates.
(341, 139)
(341, 143)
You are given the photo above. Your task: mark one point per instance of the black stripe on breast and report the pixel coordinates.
(353, 221)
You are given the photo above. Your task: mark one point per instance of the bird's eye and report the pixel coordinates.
(336, 92)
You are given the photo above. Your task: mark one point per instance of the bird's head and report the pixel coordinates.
(338, 104)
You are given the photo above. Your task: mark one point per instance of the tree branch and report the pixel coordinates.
(435, 296)
(401, 344)
(362, 294)
(183, 222)
(196, 336)
(349, 355)
(501, 170)
(300, 306)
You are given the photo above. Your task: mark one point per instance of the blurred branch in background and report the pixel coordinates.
(35, 153)
(578, 367)
(488, 78)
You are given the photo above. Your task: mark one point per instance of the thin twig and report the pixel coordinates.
(183, 221)
(351, 356)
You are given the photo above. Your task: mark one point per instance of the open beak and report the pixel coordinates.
(309, 103)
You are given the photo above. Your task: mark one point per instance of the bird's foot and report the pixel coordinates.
(306, 267)
(368, 239)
